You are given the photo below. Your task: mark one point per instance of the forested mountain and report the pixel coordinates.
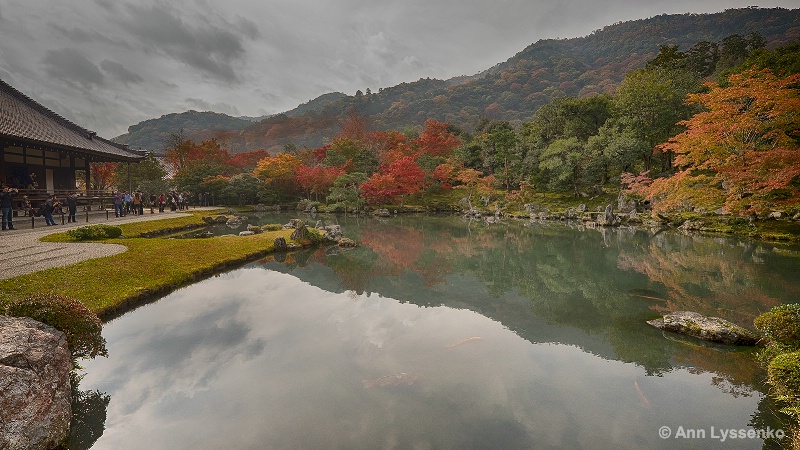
(513, 90)
(153, 133)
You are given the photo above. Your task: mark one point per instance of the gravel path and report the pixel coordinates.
(21, 252)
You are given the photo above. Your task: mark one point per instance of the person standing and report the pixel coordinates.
(161, 203)
(137, 203)
(72, 207)
(7, 206)
(49, 207)
(118, 199)
(126, 202)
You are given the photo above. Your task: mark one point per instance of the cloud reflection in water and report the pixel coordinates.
(258, 359)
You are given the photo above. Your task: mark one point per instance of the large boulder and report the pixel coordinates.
(280, 244)
(35, 394)
(332, 233)
(708, 328)
(300, 231)
(608, 219)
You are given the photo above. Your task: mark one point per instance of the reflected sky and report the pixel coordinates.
(259, 359)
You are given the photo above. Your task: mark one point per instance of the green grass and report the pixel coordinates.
(149, 268)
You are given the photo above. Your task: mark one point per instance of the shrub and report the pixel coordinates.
(784, 375)
(781, 325)
(81, 326)
(271, 227)
(94, 232)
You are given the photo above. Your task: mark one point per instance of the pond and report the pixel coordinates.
(441, 333)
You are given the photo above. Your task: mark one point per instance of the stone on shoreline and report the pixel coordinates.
(711, 329)
(35, 391)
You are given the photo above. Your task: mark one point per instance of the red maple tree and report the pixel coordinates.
(398, 179)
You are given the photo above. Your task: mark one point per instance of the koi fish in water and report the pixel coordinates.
(642, 399)
(466, 341)
(392, 380)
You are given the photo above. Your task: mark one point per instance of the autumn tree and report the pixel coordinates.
(473, 181)
(743, 150)
(398, 179)
(102, 174)
(318, 179)
(198, 162)
(246, 161)
(176, 150)
(436, 139)
(278, 172)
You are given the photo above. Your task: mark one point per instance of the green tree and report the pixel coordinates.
(346, 191)
(243, 189)
(568, 164)
(147, 175)
(500, 154)
(650, 103)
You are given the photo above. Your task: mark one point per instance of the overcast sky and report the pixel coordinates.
(109, 64)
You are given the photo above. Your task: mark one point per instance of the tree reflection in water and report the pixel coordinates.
(604, 282)
(88, 417)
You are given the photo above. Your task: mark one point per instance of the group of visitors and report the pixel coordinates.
(55, 206)
(47, 208)
(125, 203)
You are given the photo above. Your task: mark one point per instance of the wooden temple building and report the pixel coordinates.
(43, 153)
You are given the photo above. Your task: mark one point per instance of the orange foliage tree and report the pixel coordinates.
(398, 179)
(742, 152)
(436, 140)
(102, 174)
(279, 172)
(247, 161)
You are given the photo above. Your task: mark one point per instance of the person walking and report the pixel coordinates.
(161, 203)
(7, 206)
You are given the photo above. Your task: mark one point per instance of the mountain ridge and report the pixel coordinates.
(511, 90)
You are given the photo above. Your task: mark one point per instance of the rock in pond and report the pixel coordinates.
(711, 329)
(35, 391)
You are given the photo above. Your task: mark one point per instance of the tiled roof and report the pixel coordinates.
(23, 118)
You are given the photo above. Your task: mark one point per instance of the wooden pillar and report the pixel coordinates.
(2, 162)
(86, 173)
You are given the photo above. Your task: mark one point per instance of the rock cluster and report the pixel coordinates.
(35, 391)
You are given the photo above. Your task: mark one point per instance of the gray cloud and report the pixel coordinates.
(120, 72)
(72, 66)
(146, 58)
(204, 46)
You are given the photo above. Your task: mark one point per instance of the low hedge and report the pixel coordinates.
(95, 232)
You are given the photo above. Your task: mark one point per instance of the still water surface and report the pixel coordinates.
(438, 333)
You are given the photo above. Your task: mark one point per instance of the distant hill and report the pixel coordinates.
(152, 134)
(511, 90)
